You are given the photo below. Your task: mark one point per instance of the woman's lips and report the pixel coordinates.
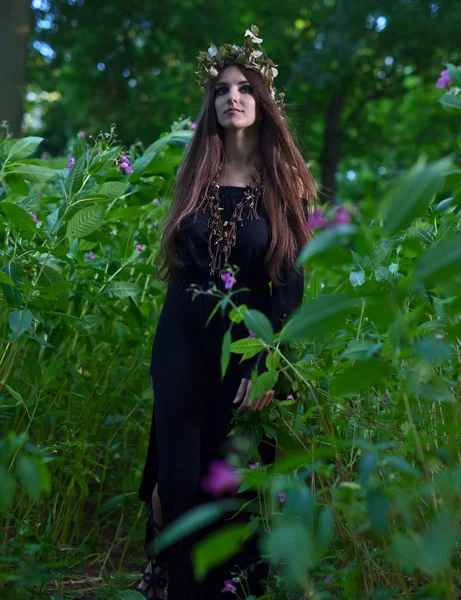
(232, 111)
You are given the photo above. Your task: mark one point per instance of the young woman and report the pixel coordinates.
(240, 198)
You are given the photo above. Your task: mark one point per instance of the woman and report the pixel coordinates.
(240, 199)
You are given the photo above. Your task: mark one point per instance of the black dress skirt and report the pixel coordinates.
(192, 406)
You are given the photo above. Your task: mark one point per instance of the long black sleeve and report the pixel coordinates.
(285, 299)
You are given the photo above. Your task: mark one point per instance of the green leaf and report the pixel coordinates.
(85, 221)
(193, 520)
(122, 289)
(379, 510)
(7, 486)
(455, 75)
(439, 543)
(260, 325)
(4, 278)
(18, 217)
(318, 317)
(362, 350)
(217, 547)
(247, 346)
(20, 321)
(263, 383)
(320, 248)
(33, 173)
(24, 147)
(12, 294)
(441, 263)
(413, 194)
(74, 179)
(450, 101)
(33, 475)
(361, 376)
(225, 353)
(112, 189)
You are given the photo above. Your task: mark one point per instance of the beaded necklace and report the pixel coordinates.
(223, 234)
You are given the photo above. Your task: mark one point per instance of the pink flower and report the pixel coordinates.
(44, 156)
(139, 247)
(228, 586)
(229, 280)
(342, 216)
(187, 146)
(282, 496)
(83, 134)
(251, 334)
(124, 164)
(34, 218)
(444, 80)
(193, 125)
(221, 478)
(90, 255)
(128, 170)
(156, 201)
(125, 157)
(254, 466)
(290, 397)
(71, 163)
(318, 220)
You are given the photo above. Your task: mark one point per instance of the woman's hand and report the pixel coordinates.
(243, 393)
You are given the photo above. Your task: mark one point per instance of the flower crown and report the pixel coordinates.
(215, 58)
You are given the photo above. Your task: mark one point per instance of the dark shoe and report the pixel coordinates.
(159, 566)
(153, 580)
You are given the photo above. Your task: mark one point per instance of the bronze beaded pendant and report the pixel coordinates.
(224, 234)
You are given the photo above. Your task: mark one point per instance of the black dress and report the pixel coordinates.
(193, 407)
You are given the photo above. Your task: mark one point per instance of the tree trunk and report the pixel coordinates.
(16, 20)
(331, 153)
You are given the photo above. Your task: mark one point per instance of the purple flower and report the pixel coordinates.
(221, 478)
(193, 126)
(254, 466)
(342, 216)
(90, 255)
(186, 146)
(318, 220)
(282, 496)
(228, 586)
(34, 218)
(229, 280)
(156, 201)
(128, 170)
(139, 247)
(71, 163)
(328, 578)
(125, 163)
(44, 156)
(251, 334)
(290, 397)
(444, 80)
(83, 134)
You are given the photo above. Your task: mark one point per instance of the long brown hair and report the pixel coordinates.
(286, 176)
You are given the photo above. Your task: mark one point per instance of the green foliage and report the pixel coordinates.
(364, 495)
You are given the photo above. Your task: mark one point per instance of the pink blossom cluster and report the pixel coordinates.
(90, 255)
(125, 164)
(229, 280)
(228, 587)
(34, 218)
(341, 217)
(444, 81)
(220, 478)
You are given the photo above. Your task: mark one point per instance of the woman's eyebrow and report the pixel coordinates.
(225, 82)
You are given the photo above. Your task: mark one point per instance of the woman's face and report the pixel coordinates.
(233, 91)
